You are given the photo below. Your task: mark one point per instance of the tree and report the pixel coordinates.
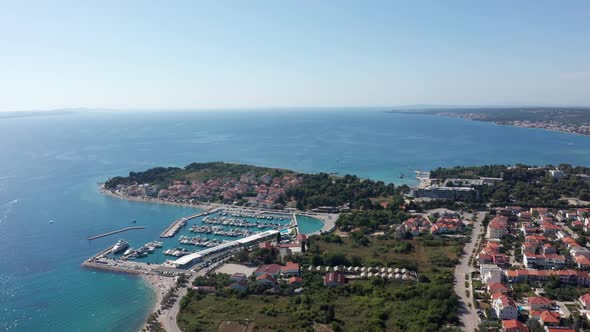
(303, 247)
(330, 314)
(278, 237)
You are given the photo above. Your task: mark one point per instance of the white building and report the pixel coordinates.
(505, 308)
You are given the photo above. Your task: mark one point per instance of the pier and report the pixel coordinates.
(176, 225)
(101, 261)
(115, 232)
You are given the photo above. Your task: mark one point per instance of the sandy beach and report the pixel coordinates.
(160, 285)
(201, 206)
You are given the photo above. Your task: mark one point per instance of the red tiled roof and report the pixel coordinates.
(290, 267)
(585, 298)
(514, 324)
(266, 277)
(550, 317)
(539, 300)
(273, 269)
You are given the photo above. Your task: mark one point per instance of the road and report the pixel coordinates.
(168, 317)
(467, 315)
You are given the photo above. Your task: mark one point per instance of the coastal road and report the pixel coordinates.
(467, 315)
(168, 319)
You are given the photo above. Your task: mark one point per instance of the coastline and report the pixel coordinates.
(328, 219)
(200, 206)
(500, 123)
(159, 286)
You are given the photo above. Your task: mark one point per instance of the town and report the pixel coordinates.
(264, 191)
(532, 268)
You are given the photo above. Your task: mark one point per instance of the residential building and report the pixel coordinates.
(290, 270)
(270, 269)
(513, 325)
(265, 279)
(505, 308)
(585, 301)
(333, 279)
(497, 228)
(540, 303)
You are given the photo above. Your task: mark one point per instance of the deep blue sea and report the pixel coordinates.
(49, 166)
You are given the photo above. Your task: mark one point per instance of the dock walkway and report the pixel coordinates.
(171, 230)
(115, 232)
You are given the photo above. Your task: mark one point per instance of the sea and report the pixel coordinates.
(50, 166)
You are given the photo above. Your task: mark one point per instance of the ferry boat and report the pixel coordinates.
(119, 246)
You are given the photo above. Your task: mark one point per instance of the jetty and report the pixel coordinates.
(101, 261)
(176, 225)
(115, 232)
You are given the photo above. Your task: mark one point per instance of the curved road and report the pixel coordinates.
(467, 315)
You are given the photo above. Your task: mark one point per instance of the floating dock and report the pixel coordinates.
(171, 230)
(115, 232)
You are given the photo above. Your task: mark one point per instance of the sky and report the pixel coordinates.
(265, 54)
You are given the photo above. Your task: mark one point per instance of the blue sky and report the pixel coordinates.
(245, 54)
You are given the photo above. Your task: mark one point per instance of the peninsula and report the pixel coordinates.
(575, 120)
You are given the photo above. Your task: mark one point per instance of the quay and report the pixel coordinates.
(176, 225)
(115, 232)
(101, 261)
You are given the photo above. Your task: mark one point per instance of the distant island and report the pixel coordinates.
(562, 119)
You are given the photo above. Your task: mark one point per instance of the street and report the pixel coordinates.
(467, 315)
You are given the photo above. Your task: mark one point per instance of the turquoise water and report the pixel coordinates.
(308, 225)
(49, 167)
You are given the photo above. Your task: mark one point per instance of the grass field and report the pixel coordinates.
(364, 305)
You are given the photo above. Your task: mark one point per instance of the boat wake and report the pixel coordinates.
(5, 209)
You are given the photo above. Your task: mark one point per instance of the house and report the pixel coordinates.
(270, 269)
(585, 301)
(582, 262)
(485, 268)
(498, 227)
(290, 269)
(237, 277)
(416, 225)
(295, 281)
(539, 303)
(333, 279)
(513, 325)
(266, 279)
(492, 277)
(549, 228)
(505, 308)
(550, 318)
(497, 287)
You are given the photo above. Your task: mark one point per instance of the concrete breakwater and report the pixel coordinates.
(115, 232)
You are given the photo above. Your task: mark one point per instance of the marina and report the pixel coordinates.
(171, 230)
(208, 236)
